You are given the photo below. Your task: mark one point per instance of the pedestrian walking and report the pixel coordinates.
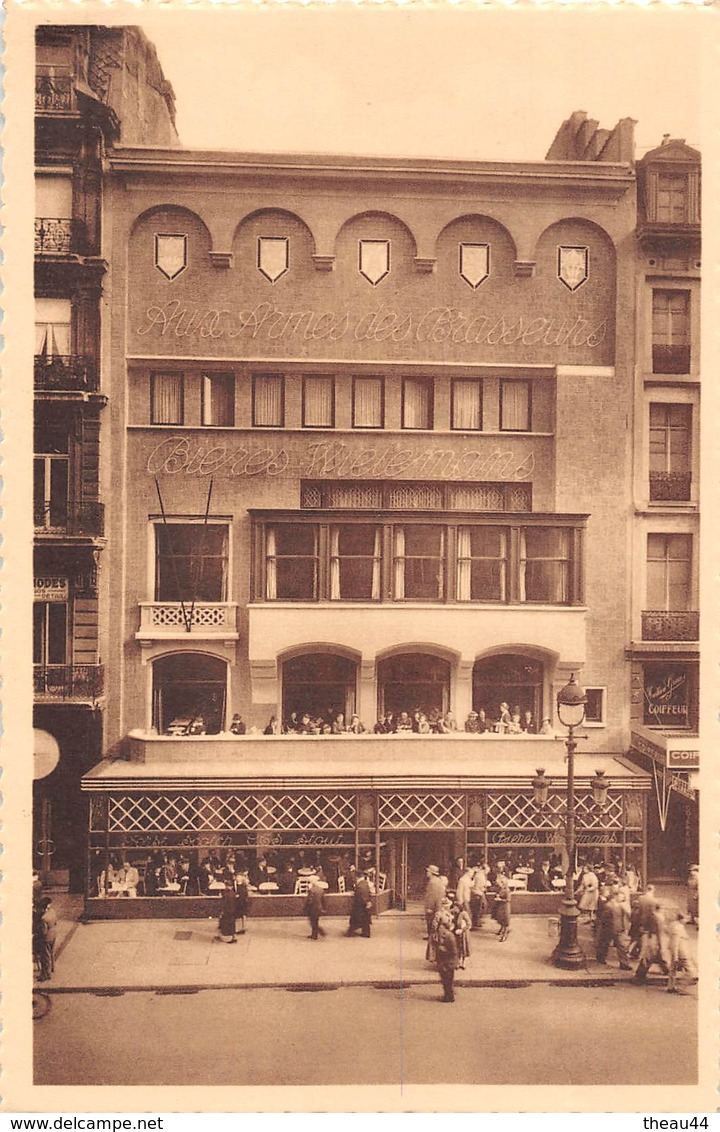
(315, 906)
(446, 957)
(653, 945)
(679, 954)
(462, 927)
(48, 936)
(588, 893)
(478, 897)
(242, 900)
(227, 925)
(611, 930)
(463, 892)
(693, 894)
(434, 894)
(361, 908)
(501, 906)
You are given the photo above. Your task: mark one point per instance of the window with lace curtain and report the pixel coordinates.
(481, 563)
(368, 402)
(218, 400)
(467, 405)
(291, 563)
(419, 556)
(417, 402)
(52, 328)
(268, 400)
(318, 402)
(545, 565)
(515, 406)
(355, 562)
(167, 398)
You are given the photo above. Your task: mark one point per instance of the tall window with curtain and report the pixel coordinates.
(467, 405)
(52, 328)
(268, 399)
(670, 331)
(355, 562)
(167, 398)
(291, 557)
(419, 563)
(669, 563)
(318, 406)
(191, 562)
(368, 402)
(417, 403)
(481, 564)
(218, 400)
(545, 565)
(515, 406)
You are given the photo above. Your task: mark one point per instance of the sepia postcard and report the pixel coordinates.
(358, 613)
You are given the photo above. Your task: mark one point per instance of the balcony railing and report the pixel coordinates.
(58, 236)
(203, 619)
(670, 486)
(74, 519)
(54, 91)
(65, 371)
(675, 625)
(68, 681)
(671, 359)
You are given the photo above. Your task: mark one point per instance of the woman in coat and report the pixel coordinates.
(501, 907)
(228, 912)
(588, 893)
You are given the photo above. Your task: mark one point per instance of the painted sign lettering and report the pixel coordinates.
(181, 455)
(173, 320)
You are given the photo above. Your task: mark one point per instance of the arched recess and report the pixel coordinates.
(415, 676)
(274, 224)
(319, 680)
(473, 229)
(189, 693)
(519, 675)
(168, 220)
(577, 231)
(375, 226)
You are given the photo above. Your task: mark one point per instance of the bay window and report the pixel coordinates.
(355, 562)
(419, 562)
(481, 563)
(544, 565)
(291, 563)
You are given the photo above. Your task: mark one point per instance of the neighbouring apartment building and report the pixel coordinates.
(387, 436)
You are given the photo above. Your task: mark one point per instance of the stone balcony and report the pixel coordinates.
(200, 620)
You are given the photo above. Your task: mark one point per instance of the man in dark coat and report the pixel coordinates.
(447, 959)
(540, 880)
(315, 906)
(611, 930)
(361, 909)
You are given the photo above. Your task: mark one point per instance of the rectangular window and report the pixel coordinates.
(355, 562)
(417, 402)
(167, 398)
(467, 405)
(218, 400)
(268, 400)
(669, 564)
(515, 406)
(671, 332)
(291, 560)
(52, 328)
(595, 707)
(419, 563)
(672, 198)
(53, 195)
(49, 632)
(191, 562)
(368, 402)
(670, 447)
(482, 563)
(545, 565)
(50, 486)
(318, 408)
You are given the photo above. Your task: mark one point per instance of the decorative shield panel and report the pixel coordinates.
(374, 259)
(573, 266)
(273, 256)
(171, 255)
(474, 263)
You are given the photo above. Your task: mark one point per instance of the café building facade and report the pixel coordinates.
(366, 451)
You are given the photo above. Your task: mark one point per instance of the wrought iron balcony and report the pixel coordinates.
(671, 359)
(670, 486)
(162, 619)
(63, 518)
(58, 236)
(54, 91)
(674, 625)
(68, 681)
(65, 371)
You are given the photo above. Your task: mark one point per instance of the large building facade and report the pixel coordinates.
(370, 447)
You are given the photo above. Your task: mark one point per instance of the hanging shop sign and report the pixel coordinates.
(51, 588)
(666, 697)
(683, 760)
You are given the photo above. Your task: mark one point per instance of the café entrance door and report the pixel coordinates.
(412, 852)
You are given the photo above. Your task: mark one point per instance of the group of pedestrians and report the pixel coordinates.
(360, 908)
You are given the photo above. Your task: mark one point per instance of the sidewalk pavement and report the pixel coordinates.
(183, 955)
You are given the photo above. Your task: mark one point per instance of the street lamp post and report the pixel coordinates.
(571, 701)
